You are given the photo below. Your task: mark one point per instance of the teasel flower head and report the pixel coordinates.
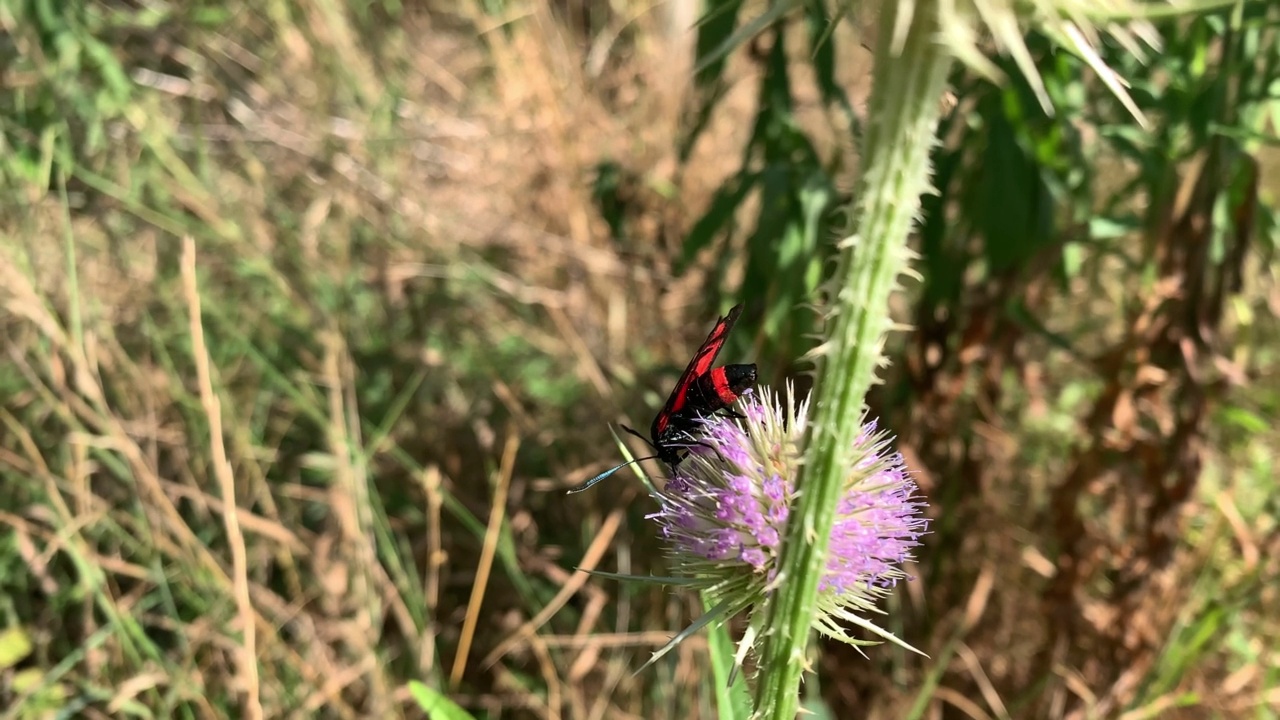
(725, 511)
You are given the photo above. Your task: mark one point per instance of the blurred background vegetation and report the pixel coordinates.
(436, 249)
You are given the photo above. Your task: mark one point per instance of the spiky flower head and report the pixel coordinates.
(724, 516)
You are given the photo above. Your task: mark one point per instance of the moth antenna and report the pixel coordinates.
(646, 440)
(606, 474)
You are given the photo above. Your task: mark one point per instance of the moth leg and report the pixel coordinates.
(691, 442)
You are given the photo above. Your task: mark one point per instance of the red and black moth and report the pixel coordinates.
(702, 391)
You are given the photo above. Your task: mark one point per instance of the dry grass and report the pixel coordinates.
(348, 271)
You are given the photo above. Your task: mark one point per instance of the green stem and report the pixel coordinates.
(902, 119)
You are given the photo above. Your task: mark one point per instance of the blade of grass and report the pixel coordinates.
(248, 655)
(497, 516)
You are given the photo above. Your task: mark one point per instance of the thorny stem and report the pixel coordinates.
(910, 77)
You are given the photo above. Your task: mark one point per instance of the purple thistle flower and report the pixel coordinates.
(724, 513)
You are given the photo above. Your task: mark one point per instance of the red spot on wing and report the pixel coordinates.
(700, 364)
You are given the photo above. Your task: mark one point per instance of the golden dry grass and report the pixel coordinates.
(346, 267)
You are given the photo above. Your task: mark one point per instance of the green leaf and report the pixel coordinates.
(823, 57)
(436, 705)
(1110, 228)
(723, 207)
(15, 644)
(714, 30)
(1072, 259)
(1241, 418)
(726, 609)
(733, 702)
(742, 35)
